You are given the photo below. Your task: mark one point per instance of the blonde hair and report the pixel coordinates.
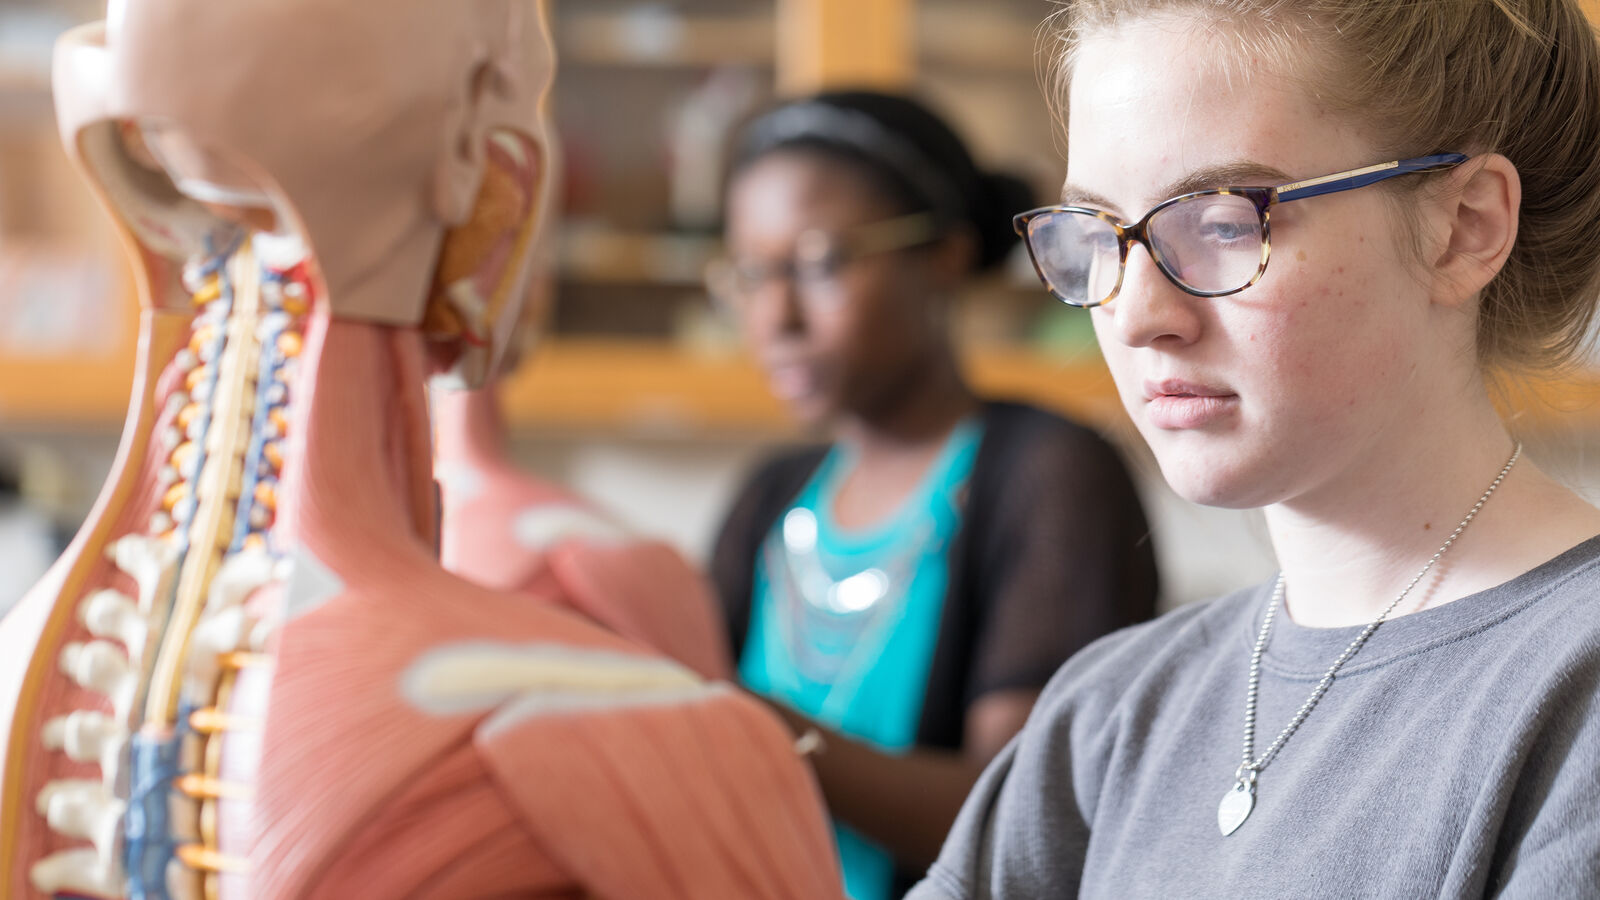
(1515, 77)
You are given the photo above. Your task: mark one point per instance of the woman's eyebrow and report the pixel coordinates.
(1073, 195)
(1233, 174)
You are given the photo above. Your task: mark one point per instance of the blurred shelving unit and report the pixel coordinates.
(639, 349)
(650, 387)
(648, 96)
(644, 94)
(66, 318)
(657, 36)
(648, 92)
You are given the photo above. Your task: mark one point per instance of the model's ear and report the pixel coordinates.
(1479, 219)
(461, 157)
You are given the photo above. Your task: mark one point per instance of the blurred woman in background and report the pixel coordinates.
(904, 592)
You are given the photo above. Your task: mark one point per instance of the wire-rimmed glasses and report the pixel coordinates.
(1209, 243)
(818, 260)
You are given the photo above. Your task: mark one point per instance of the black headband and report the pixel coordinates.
(860, 133)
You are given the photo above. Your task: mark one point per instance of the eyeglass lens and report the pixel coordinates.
(1209, 244)
(809, 275)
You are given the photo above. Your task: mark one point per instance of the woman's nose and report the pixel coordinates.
(776, 307)
(1150, 310)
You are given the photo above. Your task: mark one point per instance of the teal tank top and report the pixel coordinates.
(844, 623)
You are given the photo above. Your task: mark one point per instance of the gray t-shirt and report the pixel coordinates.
(1456, 755)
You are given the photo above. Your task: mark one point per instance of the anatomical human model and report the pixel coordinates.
(249, 675)
(502, 527)
(508, 530)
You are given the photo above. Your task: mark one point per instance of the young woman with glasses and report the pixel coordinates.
(904, 592)
(1311, 233)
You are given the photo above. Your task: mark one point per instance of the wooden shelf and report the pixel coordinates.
(654, 385)
(67, 326)
(601, 255)
(651, 387)
(654, 388)
(60, 394)
(658, 38)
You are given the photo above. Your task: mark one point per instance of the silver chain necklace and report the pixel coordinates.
(1241, 798)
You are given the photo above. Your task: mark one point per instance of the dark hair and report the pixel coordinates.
(905, 149)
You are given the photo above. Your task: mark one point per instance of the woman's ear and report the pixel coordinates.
(955, 255)
(1480, 227)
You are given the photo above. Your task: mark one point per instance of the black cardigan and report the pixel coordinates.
(1053, 551)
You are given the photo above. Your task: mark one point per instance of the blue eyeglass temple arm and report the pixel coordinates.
(1355, 178)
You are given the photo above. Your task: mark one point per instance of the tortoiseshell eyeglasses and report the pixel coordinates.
(1208, 243)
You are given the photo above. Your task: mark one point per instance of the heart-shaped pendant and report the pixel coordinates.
(1235, 808)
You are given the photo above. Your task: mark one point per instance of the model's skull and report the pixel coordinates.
(404, 142)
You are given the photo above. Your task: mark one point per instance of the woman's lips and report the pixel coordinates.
(792, 381)
(1177, 405)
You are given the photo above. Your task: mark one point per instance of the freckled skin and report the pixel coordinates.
(1335, 323)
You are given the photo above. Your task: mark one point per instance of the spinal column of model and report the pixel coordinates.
(149, 636)
(363, 724)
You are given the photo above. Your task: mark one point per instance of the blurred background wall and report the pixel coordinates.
(640, 396)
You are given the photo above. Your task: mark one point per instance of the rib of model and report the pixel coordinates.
(249, 675)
